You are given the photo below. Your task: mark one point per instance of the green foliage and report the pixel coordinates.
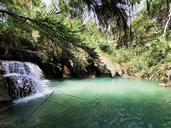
(148, 53)
(66, 34)
(22, 17)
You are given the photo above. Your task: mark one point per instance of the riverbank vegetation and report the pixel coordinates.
(67, 40)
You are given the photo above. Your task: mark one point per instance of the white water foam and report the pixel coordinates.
(25, 74)
(33, 97)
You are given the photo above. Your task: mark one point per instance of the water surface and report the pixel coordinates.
(95, 103)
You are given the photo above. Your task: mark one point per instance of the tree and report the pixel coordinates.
(148, 3)
(169, 18)
(49, 26)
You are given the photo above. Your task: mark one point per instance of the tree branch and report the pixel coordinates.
(167, 23)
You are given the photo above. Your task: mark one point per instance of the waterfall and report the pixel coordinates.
(23, 79)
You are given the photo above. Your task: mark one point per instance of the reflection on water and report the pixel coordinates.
(95, 103)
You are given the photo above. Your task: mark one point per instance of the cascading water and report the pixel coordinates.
(23, 79)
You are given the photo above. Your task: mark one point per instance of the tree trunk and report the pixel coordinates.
(167, 23)
(148, 2)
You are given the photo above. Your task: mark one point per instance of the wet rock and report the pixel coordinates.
(5, 100)
(19, 79)
(3, 88)
(20, 86)
(4, 96)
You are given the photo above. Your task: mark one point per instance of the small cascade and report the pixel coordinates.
(23, 79)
